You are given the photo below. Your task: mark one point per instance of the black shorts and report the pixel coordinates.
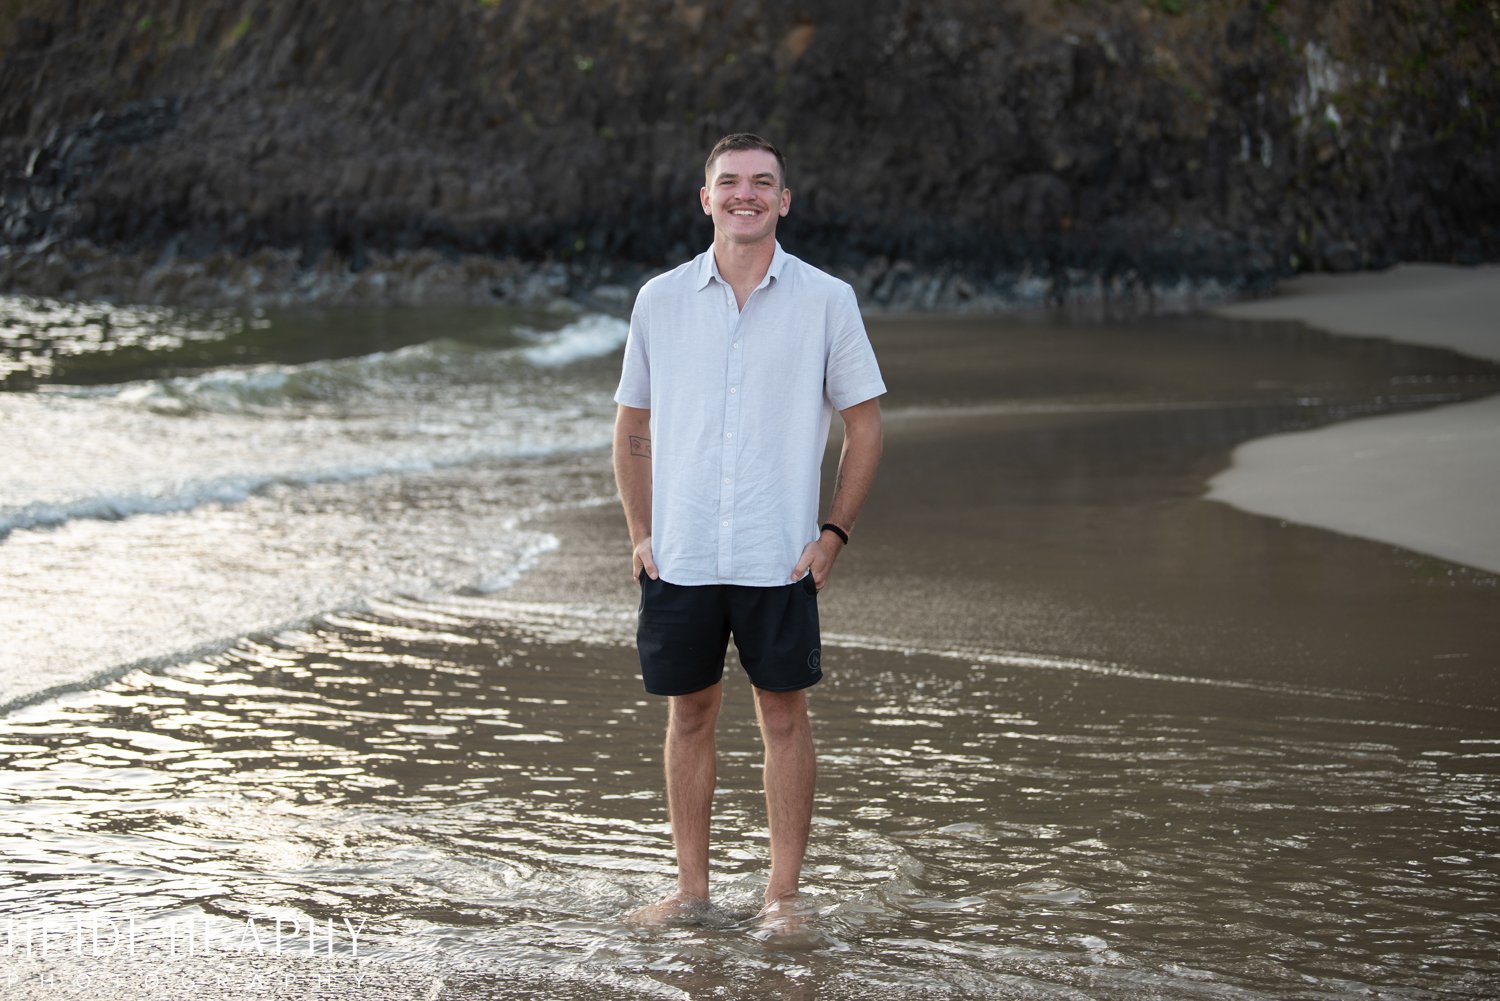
(684, 631)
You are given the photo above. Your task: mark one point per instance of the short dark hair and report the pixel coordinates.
(744, 140)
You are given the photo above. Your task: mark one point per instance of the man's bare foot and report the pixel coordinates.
(678, 909)
(784, 919)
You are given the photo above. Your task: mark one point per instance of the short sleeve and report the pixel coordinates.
(852, 376)
(635, 373)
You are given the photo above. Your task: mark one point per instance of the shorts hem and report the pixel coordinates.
(789, 688)
(684, 691)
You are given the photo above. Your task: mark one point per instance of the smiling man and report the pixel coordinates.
(735, 363)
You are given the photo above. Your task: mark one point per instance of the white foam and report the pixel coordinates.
(593, 336)
(263, 384)
(221, 437)
(190, 495)
(252, 387)
(195, 494)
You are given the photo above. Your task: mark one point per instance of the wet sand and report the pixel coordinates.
(1424, 481)
(1043, 490)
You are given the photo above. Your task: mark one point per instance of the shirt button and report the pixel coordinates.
(728, 434)
(733, 390)
(727, 480)
(735, 344)
(724, 523)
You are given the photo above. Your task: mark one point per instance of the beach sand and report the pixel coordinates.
(1425, 481)
(1436, 305)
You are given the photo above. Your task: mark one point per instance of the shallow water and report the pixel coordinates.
(1019, 798)
(268, 491)
(473, 786)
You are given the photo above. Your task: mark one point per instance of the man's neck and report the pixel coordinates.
(743, 265)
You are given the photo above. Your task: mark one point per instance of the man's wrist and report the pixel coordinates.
(832, 529)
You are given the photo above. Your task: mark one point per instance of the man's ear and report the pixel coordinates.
(708, 208)
(786, 201)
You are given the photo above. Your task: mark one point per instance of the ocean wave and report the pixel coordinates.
(237, 489)
(266, 387)
(592, 336)
(434, 364)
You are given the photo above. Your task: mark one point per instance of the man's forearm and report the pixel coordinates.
(632, 462)
(858, 461)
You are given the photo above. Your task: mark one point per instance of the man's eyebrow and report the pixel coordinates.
(727, 176)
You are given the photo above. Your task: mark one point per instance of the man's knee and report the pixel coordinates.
(695, 712)
(783, 715)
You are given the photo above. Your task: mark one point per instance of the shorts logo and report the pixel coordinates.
(814, 659)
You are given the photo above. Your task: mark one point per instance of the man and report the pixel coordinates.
(734, 363)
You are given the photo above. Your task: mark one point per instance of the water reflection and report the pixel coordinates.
(481, 792)
(46, 341)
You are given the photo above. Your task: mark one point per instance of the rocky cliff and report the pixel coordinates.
(942, 152)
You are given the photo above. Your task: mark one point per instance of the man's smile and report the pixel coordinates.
(744, 196)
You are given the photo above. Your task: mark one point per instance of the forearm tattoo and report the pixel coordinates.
(640, 445)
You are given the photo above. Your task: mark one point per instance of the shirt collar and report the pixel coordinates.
(709, 269)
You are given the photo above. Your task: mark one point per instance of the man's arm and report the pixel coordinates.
(860, 457)
(632, 458)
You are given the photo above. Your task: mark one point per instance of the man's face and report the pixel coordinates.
(743, 194)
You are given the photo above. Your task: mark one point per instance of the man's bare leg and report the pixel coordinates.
(691, 767)
(790, 776)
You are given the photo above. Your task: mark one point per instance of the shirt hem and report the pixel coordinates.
(738, 582)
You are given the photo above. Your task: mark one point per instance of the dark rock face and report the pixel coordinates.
(944, 153)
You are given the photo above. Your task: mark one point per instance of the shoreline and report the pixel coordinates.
(1420, 481)
(80, 271)
(1397, 304)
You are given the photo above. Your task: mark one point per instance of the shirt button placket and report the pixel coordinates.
(732, 371)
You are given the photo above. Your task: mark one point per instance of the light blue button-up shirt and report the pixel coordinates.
(741, 402)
